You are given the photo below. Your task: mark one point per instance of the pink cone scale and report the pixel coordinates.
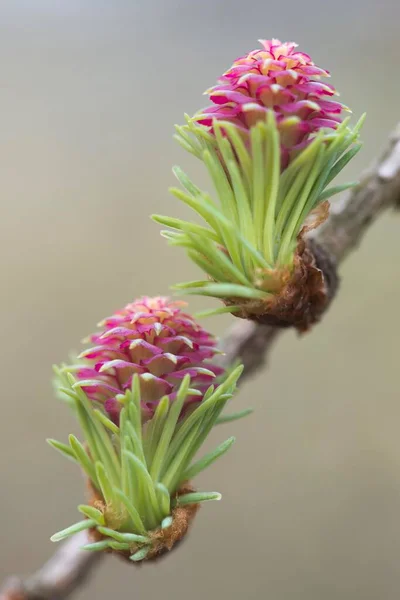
(156, 339)
(276, 77)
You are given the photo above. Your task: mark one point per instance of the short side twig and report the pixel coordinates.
(60, 575)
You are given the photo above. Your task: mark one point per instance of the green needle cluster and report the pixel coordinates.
(137, 468)
(252, 224)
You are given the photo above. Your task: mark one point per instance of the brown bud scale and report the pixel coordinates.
(163, 540)
(305, 295)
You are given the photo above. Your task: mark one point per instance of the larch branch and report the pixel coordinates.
(349, 220)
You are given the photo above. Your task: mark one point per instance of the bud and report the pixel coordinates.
(145, 411)
(272, 143)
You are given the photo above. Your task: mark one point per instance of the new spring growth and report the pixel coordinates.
(146, 395)
(273, 140)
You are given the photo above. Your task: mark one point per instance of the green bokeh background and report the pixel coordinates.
(90, 91)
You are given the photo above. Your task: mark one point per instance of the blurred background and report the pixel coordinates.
(90, 91)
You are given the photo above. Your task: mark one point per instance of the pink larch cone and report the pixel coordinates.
(154, 338)
(280, 78)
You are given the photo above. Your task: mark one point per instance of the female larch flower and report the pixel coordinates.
(146, 397)
(279, 78)
(155, 339)
(272, 141)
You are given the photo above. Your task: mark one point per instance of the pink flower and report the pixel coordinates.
(154, 338)
(277, 78)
